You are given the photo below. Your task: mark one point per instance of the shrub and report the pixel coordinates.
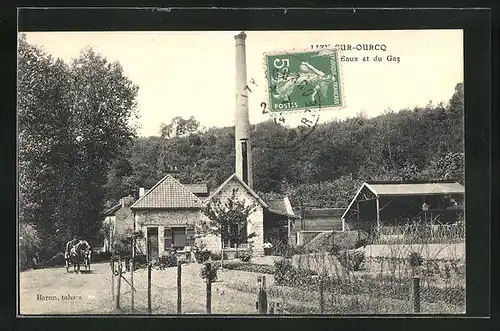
(245, 256)
(250, 267)
(285, 249)
(166, 260)
(202, 255)
(100, 257)
(29, 246)
(286, 274)
(415, 259)
(356, 258)
(140, 261)
(212, 276)
(217, 256)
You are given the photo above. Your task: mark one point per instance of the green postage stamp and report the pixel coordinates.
(303, 80)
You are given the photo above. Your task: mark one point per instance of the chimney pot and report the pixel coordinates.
(141, 191)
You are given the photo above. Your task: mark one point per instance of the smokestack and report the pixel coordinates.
(242, 144)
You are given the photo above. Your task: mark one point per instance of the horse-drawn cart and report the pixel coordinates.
(77, 255)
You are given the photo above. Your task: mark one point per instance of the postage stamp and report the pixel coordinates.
(298, 80)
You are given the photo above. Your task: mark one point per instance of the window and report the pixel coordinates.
(178, 237)
(237, 235)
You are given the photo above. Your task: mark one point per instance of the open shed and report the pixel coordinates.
(395, 203)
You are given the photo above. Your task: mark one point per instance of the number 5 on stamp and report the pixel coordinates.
(303, 80)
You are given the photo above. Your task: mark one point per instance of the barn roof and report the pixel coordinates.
(168, 193)
(416, 189)
(408, 189)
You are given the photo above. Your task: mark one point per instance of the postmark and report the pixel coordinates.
(298, 80)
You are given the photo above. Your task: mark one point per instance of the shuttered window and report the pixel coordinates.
(179, 237)
(167, 235)
(190, 236)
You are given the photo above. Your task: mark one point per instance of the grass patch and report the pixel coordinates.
(248, 266)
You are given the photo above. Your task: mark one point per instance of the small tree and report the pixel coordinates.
(228, 218)
(29, 245)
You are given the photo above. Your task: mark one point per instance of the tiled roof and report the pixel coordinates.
(197, 188)
(168, 193)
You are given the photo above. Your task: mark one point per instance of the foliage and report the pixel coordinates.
(286, 274)
(415, 259)
(351, 259)
(74, 121)
(250, 267)
(324, 170)
(202, 255)
(217, 256)
(245, 256)
(167, 259)
(212, 276)
(101, 257)
(179, 127)
(228, 218)
(420, 232)
(285, 249)
(140, 261)
(29, 246)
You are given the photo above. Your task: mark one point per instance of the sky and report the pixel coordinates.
(192, 73)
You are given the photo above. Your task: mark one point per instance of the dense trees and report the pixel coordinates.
(325, 169)
(74, 121)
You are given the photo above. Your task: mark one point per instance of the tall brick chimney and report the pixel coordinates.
(243, 147)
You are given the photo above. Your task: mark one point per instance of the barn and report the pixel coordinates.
(392, 203)
(314, 221)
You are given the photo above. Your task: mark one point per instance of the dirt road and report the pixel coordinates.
(53, 291)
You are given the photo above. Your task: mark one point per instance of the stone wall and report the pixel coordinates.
(124, 219)
(256, 219)
(168, 218)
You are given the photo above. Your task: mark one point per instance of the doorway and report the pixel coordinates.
(152, 235)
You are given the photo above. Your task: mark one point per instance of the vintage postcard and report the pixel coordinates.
(241, 172)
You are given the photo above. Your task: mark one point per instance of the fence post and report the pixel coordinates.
(179, 287)
(416, 294)
(347, 264)
(262, 296)
(208, 267)
(119, 283)
(149, 287)
(132, 272)
(112, 263)
(321, 298)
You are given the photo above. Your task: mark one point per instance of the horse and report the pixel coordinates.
(79, 253)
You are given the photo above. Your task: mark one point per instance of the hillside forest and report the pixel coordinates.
(323, 170)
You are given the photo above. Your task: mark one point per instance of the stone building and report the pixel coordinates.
(167, 214)
(117, 219)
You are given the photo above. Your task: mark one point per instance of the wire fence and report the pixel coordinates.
(379, 285)
(402, 282)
